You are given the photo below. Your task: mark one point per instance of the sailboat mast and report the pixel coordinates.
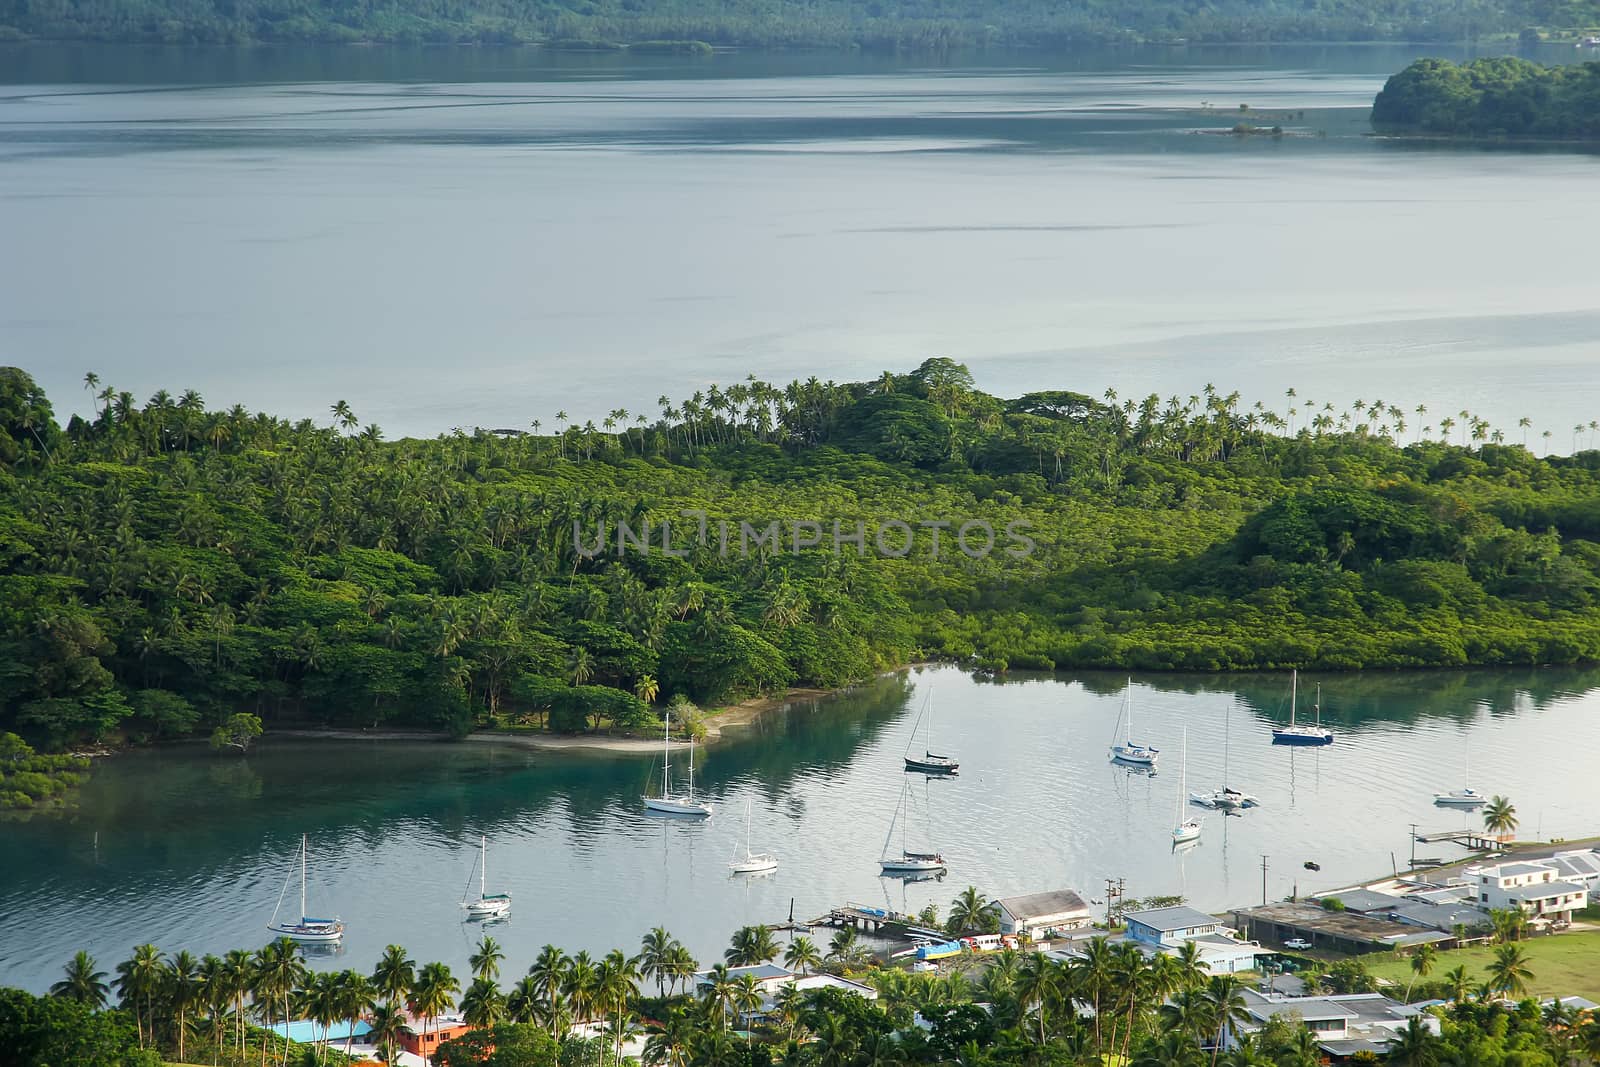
(483, 867)
(1227, 729)
(666, 755)
(302, 876)
(1294, 689)
(1183, 779)
(1317, 707)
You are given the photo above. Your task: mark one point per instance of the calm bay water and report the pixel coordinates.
(482, 237)
(191, 850)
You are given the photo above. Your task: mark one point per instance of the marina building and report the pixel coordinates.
(1038, 915)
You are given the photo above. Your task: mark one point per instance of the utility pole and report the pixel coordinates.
(1263, 881)
(1114, 890)
(1413, 846)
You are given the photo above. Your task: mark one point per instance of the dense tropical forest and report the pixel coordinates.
(1500, 97)
(919, 25)
(1110, 1003)
(165, 568)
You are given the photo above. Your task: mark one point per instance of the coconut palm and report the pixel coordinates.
(83, 983)
(483, 1005)
(718, 992)
(802, 955)
(751, 945)
(181, 988)
(966, 911)
(356, 995)
(1422, 962)
(655, 952)
(276, 972)
(138, 979)
(546, 973)
(318, 1000)
(485, 962)
(1459, 982)
(1499, 817)
(1508, 971)
(1226, 999)
(394, 976)
(1416, 1045)
(433, 995)
(580, 983)
(386, 1023)
(238, 977)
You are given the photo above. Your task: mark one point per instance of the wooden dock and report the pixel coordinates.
(1471, 840)
(879, 922)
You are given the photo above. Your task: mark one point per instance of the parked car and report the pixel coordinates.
(1298, 944)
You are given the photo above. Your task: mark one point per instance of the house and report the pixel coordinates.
(769, 977)
(1344, 1025)
(422, 1037)
(772, 980)
(1040, 914)
(1532, 888)
(1169, 927)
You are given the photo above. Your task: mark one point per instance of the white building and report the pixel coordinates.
(1343, 1025)
(1533, 888)
(1169, 929)
(1038, 914)
(771, 980)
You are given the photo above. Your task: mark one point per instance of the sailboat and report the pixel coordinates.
(1465, 797)
(1226, 799)
(906, 861)
(488, 905)
(751, 862)
(668, 802)
(1184, 829)
(1300, 733)
(1130, 751)
(308, 930)
(929, 762)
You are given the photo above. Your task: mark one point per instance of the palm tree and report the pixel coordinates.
(546, 972)
(485, 962)
(579, 983)
(182, 990)
(319, 1002)
(1508, 971)
(751, 945)
(966, 911)
(802, 955)
(277, 972)
(1500, 817)
(387, 1022)
(355, 995)
(238, 975)
(1227, 1006)
(83, 983)
(1422, 962)
(718, 993)
(655, 953)
(137, 979)
(1459, 982)
(483, 1005)
(433, 995)
(394, 976)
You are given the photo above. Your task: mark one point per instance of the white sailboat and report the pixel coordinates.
(487, 905)
(1300, 733)
(1465, 797)
(669, 803)
(1184, 829)
(308, 930)
(1128, 750)
(751, 862)
(930, 762)
(1226, 799)
(907, 862)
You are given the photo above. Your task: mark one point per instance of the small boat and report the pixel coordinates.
(1130, 751)
(1465, 797)
(308, 930)
(906, 861)
(669, 803)
(1300, 733)
(929, 762)
(487, 905)
(751, 862)
(1184, 829)
(1227, 800)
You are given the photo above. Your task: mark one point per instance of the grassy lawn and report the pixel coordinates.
(1562, 964)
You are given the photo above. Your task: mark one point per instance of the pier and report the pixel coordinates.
(879, 922)
(1471, 840)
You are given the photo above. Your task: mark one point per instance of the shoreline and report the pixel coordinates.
(738, 716)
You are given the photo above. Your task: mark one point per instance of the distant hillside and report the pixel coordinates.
(878, 24)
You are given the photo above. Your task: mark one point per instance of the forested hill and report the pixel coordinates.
(1500, 97)
(918, 25)
(163, 565)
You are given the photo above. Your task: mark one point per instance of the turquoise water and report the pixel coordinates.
(470, 237)
(190, 849)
